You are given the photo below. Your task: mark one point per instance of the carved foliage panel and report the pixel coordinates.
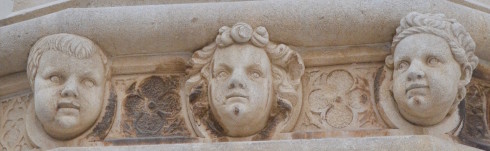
(12, 128)
(151, 106)
(339, 97)
(475, 129)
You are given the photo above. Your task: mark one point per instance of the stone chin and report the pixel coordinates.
(64, 127)
(67, 122)
(236, 111)
(416, 110)
(416, 106)
(238, 120)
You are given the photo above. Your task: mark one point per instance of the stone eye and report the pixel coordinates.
(88, 83)
(403, 65)
(433, 61)
(222, 75)
(55, 79)
(255, 74)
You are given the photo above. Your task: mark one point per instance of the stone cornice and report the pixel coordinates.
(134, 30)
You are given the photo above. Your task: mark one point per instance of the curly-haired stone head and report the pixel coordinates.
(247, 77)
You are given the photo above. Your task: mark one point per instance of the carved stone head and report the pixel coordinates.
(241, 89)
(247, 78)
(432, 60)
(67, 75)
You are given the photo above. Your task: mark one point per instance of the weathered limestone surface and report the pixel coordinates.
(245, 75)
(113, 27)
(6, 8)
(23, 4)
(420, 142)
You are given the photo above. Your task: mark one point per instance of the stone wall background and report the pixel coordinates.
(6, 7)
(23, 4)
(321, 60)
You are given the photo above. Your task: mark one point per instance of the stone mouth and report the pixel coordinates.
(68, 105)
(416, 86)
(236, 94)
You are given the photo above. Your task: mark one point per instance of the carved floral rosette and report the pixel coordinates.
(287, 70)
(339, 97)
(152, 107)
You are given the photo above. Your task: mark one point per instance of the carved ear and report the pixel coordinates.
(206, 71)
(460, 96)
(276, 76)
(389, 61)
(465, 75)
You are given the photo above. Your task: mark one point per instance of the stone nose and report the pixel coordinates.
(237, 80)
(415, 72)
(70, 89)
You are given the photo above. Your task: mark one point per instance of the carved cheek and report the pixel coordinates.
(91, 98)
(260, 90)
(45, 103)
(454, 71)
(48, 93)
(398, 80)
(218, 88)
(41, 84)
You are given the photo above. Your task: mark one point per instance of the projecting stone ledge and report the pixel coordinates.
(413, 142)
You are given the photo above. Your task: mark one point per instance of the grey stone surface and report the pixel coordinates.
(165, 28)
(6, 7)
(400, 143)
(153, 45)
(23, 4)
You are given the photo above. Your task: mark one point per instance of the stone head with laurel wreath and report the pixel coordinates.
(432, 58)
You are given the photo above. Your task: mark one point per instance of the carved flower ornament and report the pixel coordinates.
(153, 105)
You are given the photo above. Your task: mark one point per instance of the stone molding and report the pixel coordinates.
(177, 74)
(169, 24)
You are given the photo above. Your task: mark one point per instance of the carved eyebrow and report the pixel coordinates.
(401, 58)
(90, 72)
(89, 75)
(222, 65)
(255, 66)
(436, 53)
(49, 71)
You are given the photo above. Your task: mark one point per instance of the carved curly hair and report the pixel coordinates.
(461, 44)
(287, 65)
(69, 44)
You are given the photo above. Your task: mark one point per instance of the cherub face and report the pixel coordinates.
(241, 89)
(425, 78)
(68, 93)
